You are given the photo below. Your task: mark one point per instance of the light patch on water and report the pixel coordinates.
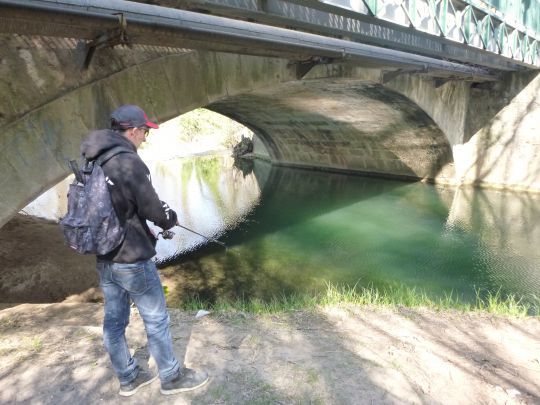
(209, 196)
(212, 198)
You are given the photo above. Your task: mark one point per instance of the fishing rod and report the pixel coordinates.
(169, 234)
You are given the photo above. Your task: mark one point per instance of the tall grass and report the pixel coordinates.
(392, 296)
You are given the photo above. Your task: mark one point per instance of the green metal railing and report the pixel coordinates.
(507, 27)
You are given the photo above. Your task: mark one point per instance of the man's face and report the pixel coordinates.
(138, 135)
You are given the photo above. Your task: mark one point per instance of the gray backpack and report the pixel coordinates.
(91, 225)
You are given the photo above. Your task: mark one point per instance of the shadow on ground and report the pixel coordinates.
(52, 353)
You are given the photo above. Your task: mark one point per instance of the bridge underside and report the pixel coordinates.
(340, 117)
(343, 124)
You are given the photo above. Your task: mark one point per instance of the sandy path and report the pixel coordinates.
(52, 354)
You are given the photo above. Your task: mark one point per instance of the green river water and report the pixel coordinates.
(291, 231)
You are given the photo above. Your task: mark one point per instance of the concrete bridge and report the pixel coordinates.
(417, 117)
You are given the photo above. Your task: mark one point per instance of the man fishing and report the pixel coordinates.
(127, 273)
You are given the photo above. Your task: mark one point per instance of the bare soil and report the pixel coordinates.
(52, 353)
(36, 265)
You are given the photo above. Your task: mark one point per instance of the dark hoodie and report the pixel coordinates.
(133, 196)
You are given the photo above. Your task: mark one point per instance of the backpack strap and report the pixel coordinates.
(76, 171)
(87, 165)
(104, 157)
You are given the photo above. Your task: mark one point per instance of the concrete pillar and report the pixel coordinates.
(501, 143)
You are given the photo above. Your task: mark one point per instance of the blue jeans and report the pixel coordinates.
(140, 282)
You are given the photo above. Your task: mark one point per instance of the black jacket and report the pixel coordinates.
(132, 194)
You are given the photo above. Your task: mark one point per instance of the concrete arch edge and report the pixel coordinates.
(34, 150)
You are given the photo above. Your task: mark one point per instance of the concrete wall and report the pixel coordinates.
(343, 124)
(37, 70)
(493, 128)
(501, 144)
(35, 145)
(339, 117)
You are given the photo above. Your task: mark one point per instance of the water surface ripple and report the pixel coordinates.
(291, 230)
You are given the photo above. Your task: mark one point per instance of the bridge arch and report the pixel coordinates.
(336, 122)
(343, 124)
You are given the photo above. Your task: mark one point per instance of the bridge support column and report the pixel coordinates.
(501, 145)
(493, 128)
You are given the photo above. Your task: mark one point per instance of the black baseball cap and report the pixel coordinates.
(130, 116)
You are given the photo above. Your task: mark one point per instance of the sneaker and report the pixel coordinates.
(187, 380)
(143, 378)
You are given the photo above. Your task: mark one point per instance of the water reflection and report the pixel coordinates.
(291, 230)
(209, 196)
(507, 229)
(312, 227)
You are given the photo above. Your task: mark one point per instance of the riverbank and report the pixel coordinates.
(52, 353)
(39, 268)
(37, 265)
(334, 354)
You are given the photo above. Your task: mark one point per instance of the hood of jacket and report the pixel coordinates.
(101, 141)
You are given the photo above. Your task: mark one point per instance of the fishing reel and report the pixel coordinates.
(166, 234)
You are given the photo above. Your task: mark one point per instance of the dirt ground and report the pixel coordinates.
(36, 265)
(52, 353)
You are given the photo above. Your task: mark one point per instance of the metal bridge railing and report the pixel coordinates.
(472, 22)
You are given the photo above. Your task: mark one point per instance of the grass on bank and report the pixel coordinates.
(389, 297)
